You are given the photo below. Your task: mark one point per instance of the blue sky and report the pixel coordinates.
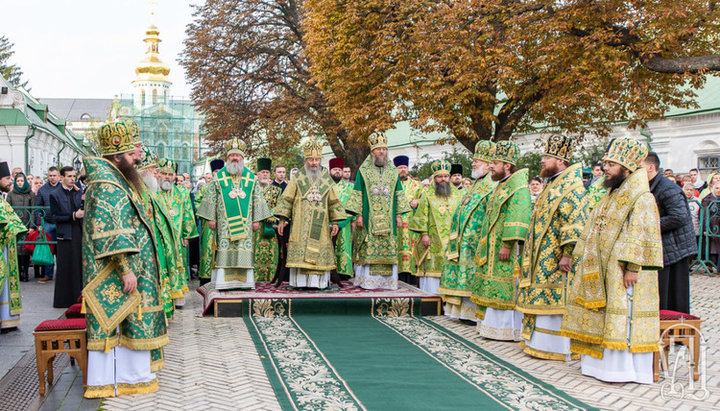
(89, 48)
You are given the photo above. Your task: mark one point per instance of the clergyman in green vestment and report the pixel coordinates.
(377, 201)
(266, 243)
(461, 268)
(311, 204)
(503, 231)
(10, 227)
(176, 201)
(125, 321)
(432, 221)
(167, 252)
(612, 313)
(558, 218)
(207, 235)
(407, 239)
(343, 241)
(234, 206)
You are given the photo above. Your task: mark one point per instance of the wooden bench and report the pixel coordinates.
(60, 336)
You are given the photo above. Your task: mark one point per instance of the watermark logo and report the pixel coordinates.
(683, 348)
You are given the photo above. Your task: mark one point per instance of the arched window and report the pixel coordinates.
(155, 96)
(165, 96)
(185, 151)
(161, 150)
(142, 97)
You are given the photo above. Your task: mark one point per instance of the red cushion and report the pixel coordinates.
(74, 311)
(676, 315)
(57, 325)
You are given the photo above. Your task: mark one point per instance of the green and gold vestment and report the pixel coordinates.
(622, 233)
(506, 223)
(10, 227)
(595, 193)
(119, 238)
(461, 268)
(558, 219)
(433, 217)
(234, 202)
(266, 248)
(378, 197)
(311, 205)
(167, 252)
(406, 237)
(343, 241)
(178, 205)
(207, 240)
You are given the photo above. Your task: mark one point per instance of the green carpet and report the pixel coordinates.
(379, 355)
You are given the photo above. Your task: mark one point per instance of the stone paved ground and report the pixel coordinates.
(211, 363)
(567, 377)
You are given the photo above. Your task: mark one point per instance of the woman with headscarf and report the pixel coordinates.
(712, 180)
(22, 196)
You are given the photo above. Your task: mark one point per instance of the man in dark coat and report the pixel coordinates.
(66, 211)
(678, 238)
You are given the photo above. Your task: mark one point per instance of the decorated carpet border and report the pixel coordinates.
(499, 380)
(299, 373)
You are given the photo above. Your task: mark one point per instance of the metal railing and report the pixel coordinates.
(34, 218)
(708, 231)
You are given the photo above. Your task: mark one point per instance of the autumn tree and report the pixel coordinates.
(249, 75)
(11, 72)
(488, 69)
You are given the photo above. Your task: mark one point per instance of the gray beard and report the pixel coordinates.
(235, 168)
(263, 182)
(165, 185)
(380, 161)
(313, 174)
(478, 174)
(442, 189)
(150, 181)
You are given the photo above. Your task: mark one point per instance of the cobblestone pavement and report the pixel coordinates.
(567, 377)
(211, 363)
(37, 307)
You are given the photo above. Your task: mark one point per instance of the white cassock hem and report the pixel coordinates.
(465, 311)
(300, 279)
(7, 320)
(500, 324)
(363, 279)
(430, 284)
(218, 278)
(619, 366)
(120, 366)
(549, 343)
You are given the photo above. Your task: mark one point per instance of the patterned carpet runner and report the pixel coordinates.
(379, 354)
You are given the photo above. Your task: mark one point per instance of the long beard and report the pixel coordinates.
(548, 171)
(150, 181)
(313, 174)
(611, 183)
(235, 168)
(165, 185)
(497, 176)
(442, 189)
(127, 168)
(478, 174)
(263, 182)
(380, 161)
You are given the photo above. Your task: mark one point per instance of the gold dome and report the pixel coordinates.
(151, 65)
